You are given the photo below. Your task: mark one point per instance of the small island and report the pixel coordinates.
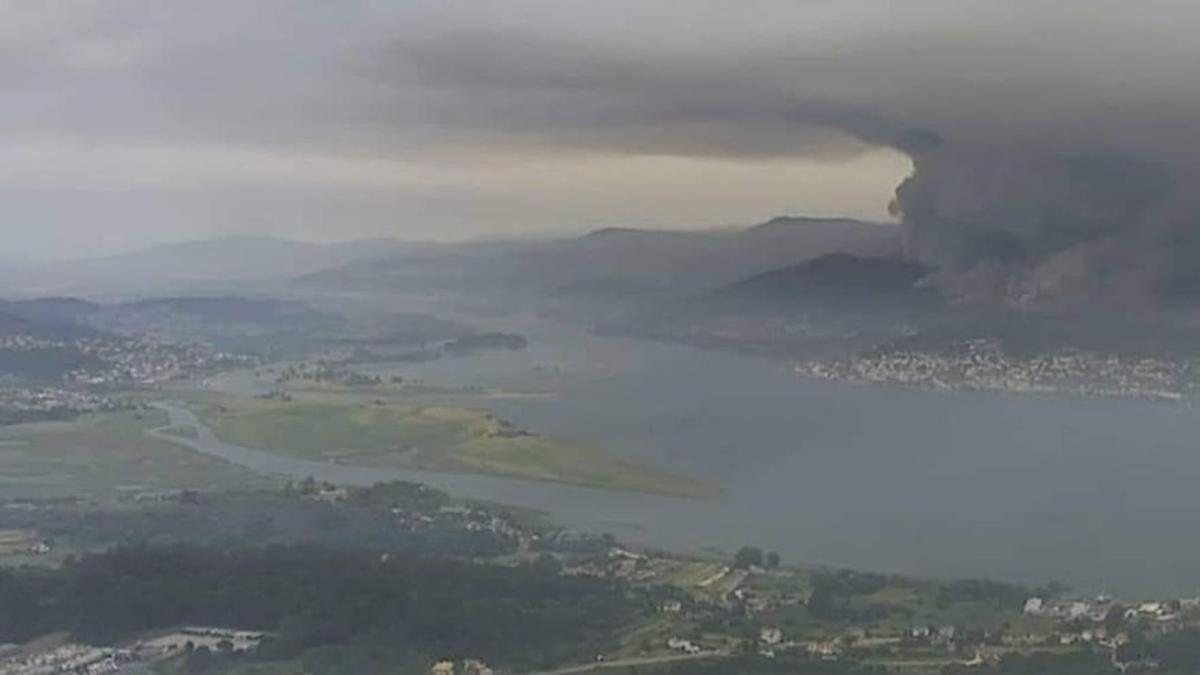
(432, 437)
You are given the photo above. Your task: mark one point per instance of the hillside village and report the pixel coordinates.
(67, 376)
(745, 605)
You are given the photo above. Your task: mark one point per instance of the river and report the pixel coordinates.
(1100, 494)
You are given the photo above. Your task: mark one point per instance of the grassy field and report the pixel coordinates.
(428, 437)
(105, 455)
(904, 604)
(691, 573)
(266, 379)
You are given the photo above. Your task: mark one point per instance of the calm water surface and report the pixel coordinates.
(1100, 494)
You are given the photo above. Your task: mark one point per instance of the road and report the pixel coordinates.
(629, 663)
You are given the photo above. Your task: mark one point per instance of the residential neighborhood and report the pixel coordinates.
(982, 365)
(67, 376)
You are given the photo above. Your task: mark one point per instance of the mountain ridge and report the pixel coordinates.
(625, 261)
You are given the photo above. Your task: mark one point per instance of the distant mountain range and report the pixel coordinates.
(212, 264)
(613, 262)
(246, 324)
(619, 261)
(784, 286)
(61, 315)
(50, 310)
(51, 318)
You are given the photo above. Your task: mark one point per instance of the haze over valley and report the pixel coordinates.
(453, 338)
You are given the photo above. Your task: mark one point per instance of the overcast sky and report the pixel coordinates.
(127, 122)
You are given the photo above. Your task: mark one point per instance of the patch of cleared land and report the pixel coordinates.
(428, 437)
(106, 455)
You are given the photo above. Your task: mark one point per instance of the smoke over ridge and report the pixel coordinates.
(1054, 144)
(1054, 149)
(1049, 230)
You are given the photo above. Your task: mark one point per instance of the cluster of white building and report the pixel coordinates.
(466, 667)
(678, 644)
(46, 399)
(214, 639)
(983, 365)
(1099, 609)
(620, 563)
(139, 362)
(67, 658)
(79, 659)
(1096, 610)
(122, 361)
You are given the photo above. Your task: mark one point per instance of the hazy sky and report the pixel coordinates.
(124, 122)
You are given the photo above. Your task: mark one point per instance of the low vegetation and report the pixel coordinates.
(399, 517)
(104, 456)
(429, 437)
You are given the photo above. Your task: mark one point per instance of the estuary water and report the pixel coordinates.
(1101, 494)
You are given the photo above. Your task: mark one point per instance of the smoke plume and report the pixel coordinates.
(1049, 230)
(1054, 144)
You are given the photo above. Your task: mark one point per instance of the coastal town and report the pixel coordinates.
(751, 605)
(58, 654)
(66, 376)
(742, 606)
(697, 607)
(783, 613)
(126, 362)
(735, 612)
(981, 365)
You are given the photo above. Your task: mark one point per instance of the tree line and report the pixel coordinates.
(321, 603)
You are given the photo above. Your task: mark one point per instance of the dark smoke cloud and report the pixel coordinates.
(1053, 148)
(1045, 230)
(1054, 143)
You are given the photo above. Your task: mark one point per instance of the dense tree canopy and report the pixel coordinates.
(314, 598)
